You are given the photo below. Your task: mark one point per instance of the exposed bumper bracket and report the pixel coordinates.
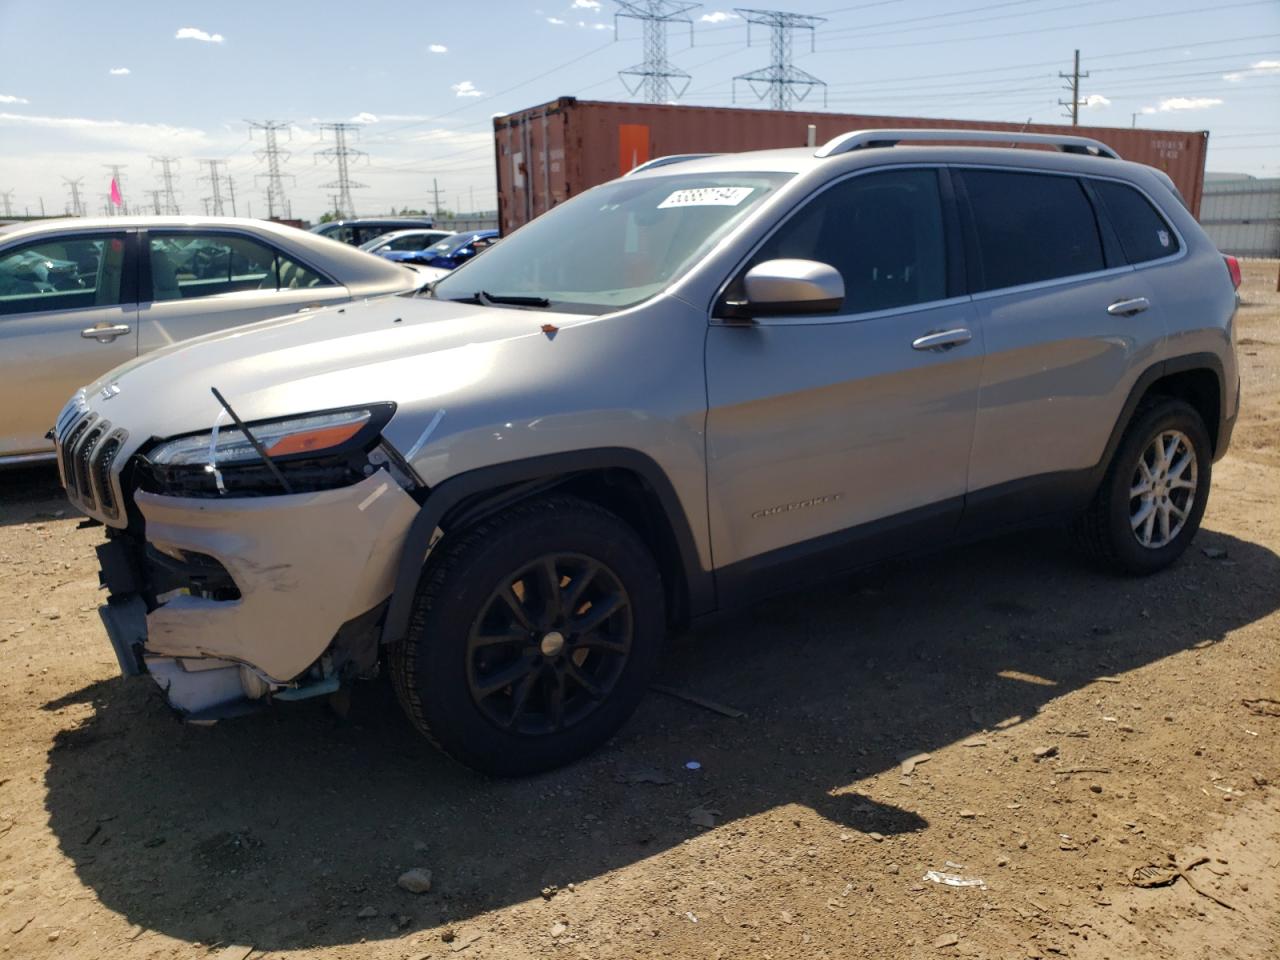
(125, 619)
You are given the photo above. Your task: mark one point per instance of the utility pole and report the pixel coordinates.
(1074, 78)
(781, 83)
(340, 153)
(277, 205)
(167, 165)
(215, 183)
(435, 193)
(118, 177)
(656, 76)
(77, 207)
(6, 197)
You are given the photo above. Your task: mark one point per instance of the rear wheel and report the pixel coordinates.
(1154, 494)
(533, 637)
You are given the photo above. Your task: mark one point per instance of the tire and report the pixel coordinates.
(572, 681)
(1107, 530)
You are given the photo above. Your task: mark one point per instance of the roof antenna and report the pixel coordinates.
(254, 441)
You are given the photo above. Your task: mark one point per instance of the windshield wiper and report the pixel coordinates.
(488, 300)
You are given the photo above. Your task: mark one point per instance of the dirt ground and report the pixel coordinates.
(1076, 725)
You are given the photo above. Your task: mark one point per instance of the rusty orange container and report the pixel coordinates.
(551, 152)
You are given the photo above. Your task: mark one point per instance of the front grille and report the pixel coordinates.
(87, 448)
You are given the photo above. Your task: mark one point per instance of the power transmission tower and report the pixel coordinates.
(783, 84)
(276, 202)
(118, 177)
(1073, 78)
(231, 187)
(340, 154)
(215, 185)
(77, 205)
(155, 200)
(170, 205)
(6, 197)
(656, 76)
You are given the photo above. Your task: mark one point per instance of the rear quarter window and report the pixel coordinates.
(1031, 227)
(1144, 234)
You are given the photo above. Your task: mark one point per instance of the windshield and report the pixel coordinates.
(616, 245)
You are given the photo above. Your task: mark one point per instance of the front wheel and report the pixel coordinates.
(1154, 493)
(533, 637)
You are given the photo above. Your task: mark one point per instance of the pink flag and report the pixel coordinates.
(115, 193)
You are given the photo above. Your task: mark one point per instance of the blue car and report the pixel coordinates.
(453, 251)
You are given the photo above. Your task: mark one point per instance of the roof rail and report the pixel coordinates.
(862, 139)
(667, 160)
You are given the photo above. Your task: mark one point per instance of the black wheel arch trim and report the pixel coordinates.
(518, 479)
(1158, 371)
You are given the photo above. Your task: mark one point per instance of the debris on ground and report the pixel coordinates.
(693, 765)
(643, 775)
(417, 880)
(699, 701)
(954, 879)
(909, 762)
(367, 912)
(1165, 874)
(1263, 706)
(946, 940)
(1044, 753)
(1213, 553)
(702, 817)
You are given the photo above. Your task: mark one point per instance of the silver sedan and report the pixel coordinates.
(80, 296)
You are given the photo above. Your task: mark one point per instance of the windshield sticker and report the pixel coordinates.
(707, 197)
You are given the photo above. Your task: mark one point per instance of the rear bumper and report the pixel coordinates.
(303, 565)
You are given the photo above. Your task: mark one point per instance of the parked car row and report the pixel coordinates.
(80, 296)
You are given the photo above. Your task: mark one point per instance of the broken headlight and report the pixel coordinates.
(315, 451)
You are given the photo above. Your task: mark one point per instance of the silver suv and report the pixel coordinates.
(683, 390)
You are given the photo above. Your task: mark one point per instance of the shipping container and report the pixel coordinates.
(554, 151)
(1242, 216)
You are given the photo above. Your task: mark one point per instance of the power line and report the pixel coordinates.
(340, 153)
(167, 165)
(271, 152)
(656, 76)
(1074, 87)
(781, 83)
(77, 205)
(214, 180)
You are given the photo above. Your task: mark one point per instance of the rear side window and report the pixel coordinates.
(1031, 227)
(882, 231)
(1144, 234)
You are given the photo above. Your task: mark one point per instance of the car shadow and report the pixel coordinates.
(31, 494)
(277, 830)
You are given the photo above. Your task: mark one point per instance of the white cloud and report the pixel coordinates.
(1094, 100)
(119, 71)
(1187, 103)
(586, 4)
(438, 48)
(555, 21)
(1147, 111)
(364, 117)
(143, 136)
(593, 26)
(466, 89)
(195, 33)
(1263, 68)
(8, 98)
(717, 16)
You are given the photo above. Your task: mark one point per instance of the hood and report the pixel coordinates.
(391, 349)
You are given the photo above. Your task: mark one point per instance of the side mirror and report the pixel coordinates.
(788, 287)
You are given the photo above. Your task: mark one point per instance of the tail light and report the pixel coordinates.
(1233, 268)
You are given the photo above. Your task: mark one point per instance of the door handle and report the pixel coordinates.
(942, 340)
(1127, 308)
(107, 332)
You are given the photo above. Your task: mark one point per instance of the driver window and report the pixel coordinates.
(882, 231)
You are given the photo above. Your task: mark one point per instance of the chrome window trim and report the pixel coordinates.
(130, 306)
(1055, 282)
(810, 320)
(803, 319)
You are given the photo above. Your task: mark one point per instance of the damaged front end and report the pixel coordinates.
(231, 592)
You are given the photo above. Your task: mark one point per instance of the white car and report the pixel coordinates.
(81, 296)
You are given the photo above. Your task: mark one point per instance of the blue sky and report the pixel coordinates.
(84, 84)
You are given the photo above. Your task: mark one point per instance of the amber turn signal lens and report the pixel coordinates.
(311, 441)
